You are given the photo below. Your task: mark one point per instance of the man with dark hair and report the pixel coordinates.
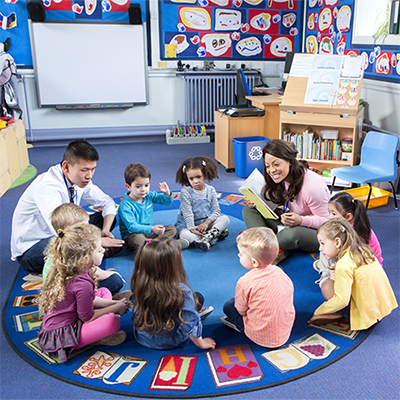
(67, 182)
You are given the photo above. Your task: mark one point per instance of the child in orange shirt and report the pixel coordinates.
(263, 307)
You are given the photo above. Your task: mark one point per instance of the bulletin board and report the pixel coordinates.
(229, 29)
(329, 31)
(15, 20)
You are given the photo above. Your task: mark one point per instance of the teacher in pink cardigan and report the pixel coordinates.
(302, 197)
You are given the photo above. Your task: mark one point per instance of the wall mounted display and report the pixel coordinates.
(329, 25)
(229, 29)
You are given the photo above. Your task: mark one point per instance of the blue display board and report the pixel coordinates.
(60, 10)
(329, 29)
(229, 29)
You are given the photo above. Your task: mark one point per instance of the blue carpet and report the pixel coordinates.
(131, 369)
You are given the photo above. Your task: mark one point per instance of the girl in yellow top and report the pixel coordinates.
(359, 278)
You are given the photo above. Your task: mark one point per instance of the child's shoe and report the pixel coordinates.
(184, 243)
(282, 255)
(226, 321)
(205, 312)
(224, 234)
(202, 243)
(113, 340)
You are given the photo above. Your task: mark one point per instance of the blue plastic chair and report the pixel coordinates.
(246, 85)
(378, 163)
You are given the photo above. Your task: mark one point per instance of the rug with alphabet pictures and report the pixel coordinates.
(236, 365)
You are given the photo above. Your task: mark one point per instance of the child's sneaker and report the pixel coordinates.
(224, 234)
(202, 244)
(113, 340)
(205, 312)
(282, 255)
(184, 243)
(226, 321)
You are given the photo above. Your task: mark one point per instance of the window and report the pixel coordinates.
(368, 16)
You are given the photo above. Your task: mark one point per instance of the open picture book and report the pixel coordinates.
(251, 189)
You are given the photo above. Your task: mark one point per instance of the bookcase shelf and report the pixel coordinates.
(347, 125)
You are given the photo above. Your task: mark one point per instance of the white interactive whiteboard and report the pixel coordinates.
(80, 65)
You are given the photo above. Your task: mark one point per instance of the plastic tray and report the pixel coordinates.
(379, 197)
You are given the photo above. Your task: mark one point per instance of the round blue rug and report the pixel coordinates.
(236, 365)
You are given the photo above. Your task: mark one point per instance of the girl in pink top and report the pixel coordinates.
(301, 194)
(74, 315)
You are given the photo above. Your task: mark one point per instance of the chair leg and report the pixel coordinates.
(333, 183)
(369, 195)
(394, 195)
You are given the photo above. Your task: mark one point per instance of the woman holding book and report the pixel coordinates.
(301, 195)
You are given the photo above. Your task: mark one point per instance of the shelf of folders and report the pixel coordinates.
(324, 146)
(187, 134)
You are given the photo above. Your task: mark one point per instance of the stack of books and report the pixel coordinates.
(310, 145)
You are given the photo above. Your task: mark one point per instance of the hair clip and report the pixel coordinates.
(352, 200)
(60, 234)
(184, 168)
(203, 163)
(342, 228)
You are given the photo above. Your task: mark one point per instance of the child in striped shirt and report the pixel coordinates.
(199, 219)
(263, 307)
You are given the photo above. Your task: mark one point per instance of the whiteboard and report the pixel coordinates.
(89, 64)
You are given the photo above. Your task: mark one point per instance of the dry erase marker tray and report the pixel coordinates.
(379, 197)
(187, 134)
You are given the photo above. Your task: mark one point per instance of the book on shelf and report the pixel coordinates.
(310, 146)
(251, 189)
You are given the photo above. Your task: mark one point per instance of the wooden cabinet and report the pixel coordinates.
(227, 128)
(349, 126)
(13, 154)
(269, 103)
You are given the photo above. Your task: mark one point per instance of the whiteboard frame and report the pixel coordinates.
(121, 89)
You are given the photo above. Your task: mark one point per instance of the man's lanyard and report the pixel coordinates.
(71, 191)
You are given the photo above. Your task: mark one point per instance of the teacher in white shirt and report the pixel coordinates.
(68, 182)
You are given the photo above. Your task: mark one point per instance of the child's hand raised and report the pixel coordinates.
(163, 188)
(158, 229)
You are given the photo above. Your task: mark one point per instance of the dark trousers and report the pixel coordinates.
(33, 259)
(231, 312)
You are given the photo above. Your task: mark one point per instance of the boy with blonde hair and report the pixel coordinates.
(69, 214)
(263, 307)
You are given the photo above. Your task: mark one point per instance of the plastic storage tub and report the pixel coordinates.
(379, 197)
(247, 152)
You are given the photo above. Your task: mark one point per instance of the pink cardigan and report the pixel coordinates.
(311, 203)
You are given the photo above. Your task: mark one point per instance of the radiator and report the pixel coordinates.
(203, 94)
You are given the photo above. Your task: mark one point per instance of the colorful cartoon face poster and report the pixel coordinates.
(329, 30)
(230, 29)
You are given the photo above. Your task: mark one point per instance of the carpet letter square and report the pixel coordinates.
(27, 322)
(174, 373)
(315, 346)
(233, 365)
(286, 358)
(26, 301)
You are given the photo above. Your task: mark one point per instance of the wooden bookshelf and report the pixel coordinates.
(297, 116)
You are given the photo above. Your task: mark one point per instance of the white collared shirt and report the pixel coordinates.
(31, 219)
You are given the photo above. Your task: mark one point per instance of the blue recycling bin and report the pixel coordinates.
(247, 152)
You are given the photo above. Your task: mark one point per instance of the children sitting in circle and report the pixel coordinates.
(199, 219)
(70, 214)
(136, 209)
(342, 204)
(360, 280)
(263, 308)
(165, 310)
(74, 314)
